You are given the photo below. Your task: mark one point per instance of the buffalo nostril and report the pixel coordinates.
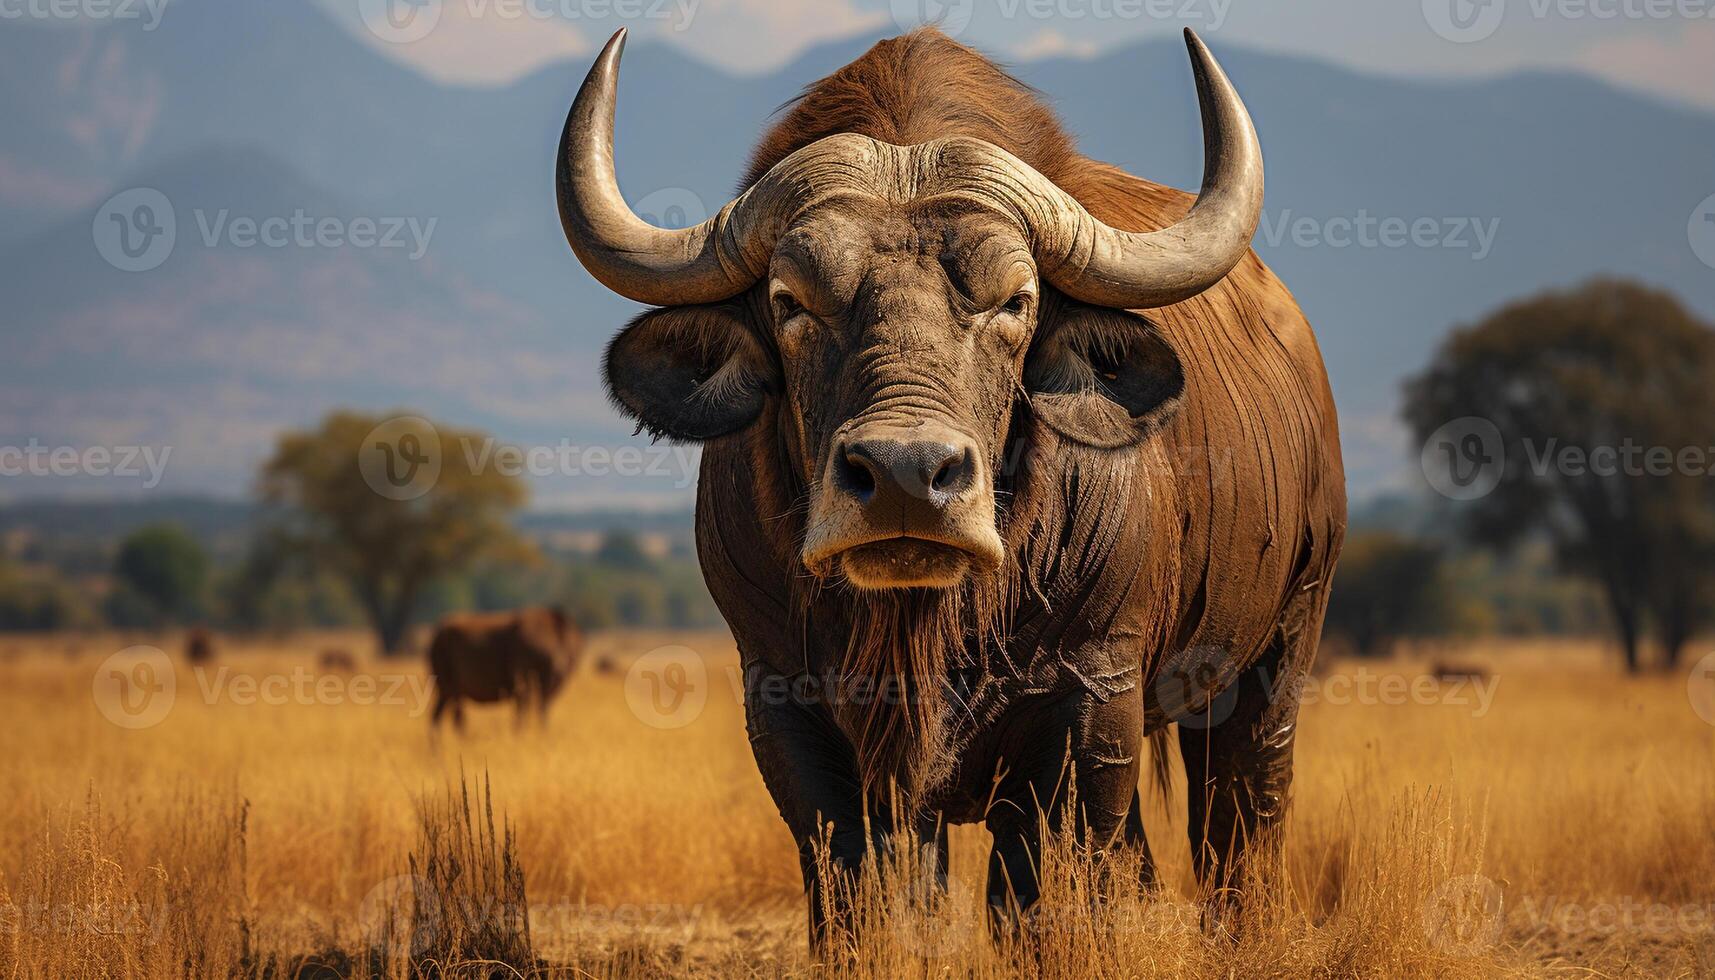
(955, 473)
(854, 473)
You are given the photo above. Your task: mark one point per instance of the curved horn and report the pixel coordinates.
(627, 254)
(1137, 271)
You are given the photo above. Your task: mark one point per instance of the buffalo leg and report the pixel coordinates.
(1079, 745)
(1238, 768)
(811, 772)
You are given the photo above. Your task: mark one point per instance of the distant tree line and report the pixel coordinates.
(159, 576)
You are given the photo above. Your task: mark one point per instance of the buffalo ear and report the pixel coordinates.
(689, 373)
(1101, 377)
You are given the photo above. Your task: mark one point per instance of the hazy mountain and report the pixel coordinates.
(1516, 184)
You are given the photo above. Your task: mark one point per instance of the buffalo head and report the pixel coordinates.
(901, 303)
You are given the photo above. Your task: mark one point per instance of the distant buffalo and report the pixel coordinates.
(1448, 670)
(523, 657)
(336, 660)
(199, 646)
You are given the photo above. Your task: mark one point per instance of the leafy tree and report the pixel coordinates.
(623, 551)
(1387, 586)
(390, 531)
(38, 599)
(166, 567)
(1604, 402)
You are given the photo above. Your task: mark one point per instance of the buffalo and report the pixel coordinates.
(524, 657)
(1011, 461)
(199, 646)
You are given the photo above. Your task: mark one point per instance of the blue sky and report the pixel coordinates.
(1666, 47)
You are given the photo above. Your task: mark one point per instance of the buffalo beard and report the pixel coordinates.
(898, 699)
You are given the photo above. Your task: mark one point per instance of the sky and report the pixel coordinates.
(1665, 47)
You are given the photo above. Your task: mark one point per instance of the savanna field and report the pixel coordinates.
(1551, 818)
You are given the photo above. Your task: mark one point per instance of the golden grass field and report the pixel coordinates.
(1565, 827)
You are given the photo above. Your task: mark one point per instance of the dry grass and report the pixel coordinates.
(1566, 827)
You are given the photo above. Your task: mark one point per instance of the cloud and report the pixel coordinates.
(480, 43)
(1679, 65)
(754, 36)
(1050, 43)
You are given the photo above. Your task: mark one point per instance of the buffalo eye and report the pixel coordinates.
(786, 305)
(1018, 305)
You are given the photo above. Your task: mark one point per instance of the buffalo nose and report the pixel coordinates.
(912, 475)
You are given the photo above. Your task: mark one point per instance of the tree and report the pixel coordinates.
(1603, 404)
(391, 506)
(166, 567)
(622, 550)
(1387, 586)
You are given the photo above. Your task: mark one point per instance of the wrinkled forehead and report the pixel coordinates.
(978, 245)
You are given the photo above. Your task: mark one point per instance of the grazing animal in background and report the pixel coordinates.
(1011, 459)
(199, 646)
(523, 657)
(1445, 670)
(336, 661)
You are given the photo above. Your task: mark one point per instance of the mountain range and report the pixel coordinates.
(234, 111)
